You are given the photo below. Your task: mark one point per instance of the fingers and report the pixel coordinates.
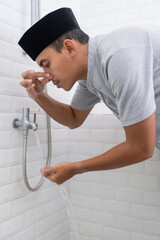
(39, 75)
(49, 173)
(32, 74)
(26, 83)
(31, 90)
(26, 73)
(46, 171)
(54, 178)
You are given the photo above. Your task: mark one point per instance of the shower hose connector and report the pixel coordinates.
(25, 122)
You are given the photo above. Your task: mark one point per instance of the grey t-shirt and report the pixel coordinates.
(124, 72)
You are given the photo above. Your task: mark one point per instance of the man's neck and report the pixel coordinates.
(84, 61)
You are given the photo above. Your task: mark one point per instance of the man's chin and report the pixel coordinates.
(67, 89)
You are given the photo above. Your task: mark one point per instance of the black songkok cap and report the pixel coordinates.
(46, 30)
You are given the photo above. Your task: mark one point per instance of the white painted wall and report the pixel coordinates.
(121, 204)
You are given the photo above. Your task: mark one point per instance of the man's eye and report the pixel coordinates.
(47, 65)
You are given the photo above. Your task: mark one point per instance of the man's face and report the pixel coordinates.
(61, 66)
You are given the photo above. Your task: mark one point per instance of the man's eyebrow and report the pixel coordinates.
(41, 62)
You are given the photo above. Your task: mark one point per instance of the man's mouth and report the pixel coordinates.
(57, 83)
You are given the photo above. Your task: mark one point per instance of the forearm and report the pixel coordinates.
(60, 112)
(120, 156)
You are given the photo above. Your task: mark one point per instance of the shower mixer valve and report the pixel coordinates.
(25, 122)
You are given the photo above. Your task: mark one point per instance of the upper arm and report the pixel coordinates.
(80, 116)
(141, 136)
(83, 99)
(82, 103)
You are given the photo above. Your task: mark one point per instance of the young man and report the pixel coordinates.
(121, 68)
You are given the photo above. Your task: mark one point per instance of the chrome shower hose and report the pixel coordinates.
(24, 157)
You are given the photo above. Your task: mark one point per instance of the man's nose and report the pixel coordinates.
(51, 75)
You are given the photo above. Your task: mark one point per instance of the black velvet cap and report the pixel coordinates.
(46, 30)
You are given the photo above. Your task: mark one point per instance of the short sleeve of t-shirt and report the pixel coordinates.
(130, 74)
(83, 99)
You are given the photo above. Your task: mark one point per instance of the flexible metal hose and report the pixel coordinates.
(24, 168)
(24, 157)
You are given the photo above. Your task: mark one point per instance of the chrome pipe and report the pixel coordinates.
(33, 10)
(38, 9)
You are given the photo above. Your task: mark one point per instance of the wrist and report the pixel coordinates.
(77, 167)
(39, 97)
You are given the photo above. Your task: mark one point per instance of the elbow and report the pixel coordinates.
(142, 153)
(149, 149)
(147, 152)
(74, 126)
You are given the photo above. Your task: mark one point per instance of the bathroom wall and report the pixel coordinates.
(108, 205)
(25, 215)
(124, 203)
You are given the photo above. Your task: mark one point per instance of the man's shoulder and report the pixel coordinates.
(120, 39)
(125, 30)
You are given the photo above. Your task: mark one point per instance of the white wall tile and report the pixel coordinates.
(152, 167)
(92, 203)
(114, 234)
(145, 182)
(6, 211)
(130, 224)
(152, 198)
(150, 11)
(152, 227)
(18, 6)
(115, 178)
(127, 16)
(130, 195)
(116, 207)
(138, 3)
(86, 148)
(64, 236)
(12, 17)
(90, 230)
(11, 226)
(5, 175)
(34, 215)
(23, 204)
(26, 234)
(137, 236)
(145, 212)
(92, 189)
(93, 122)
(11, 191)
(89, 176)
(58, 231)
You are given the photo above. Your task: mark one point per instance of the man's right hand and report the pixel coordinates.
(33, 85)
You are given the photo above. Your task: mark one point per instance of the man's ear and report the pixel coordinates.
(69, 47)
